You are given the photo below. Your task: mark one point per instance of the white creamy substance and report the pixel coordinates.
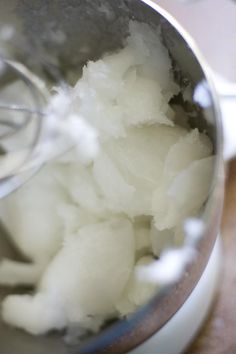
(87, 225)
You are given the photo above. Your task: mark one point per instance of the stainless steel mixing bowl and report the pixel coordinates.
(57, 37)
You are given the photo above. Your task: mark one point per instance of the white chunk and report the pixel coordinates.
(190, 188)
(81, 187)
(117, 192)
(130, 87)
(148, 47)
(87, 277)
(29, 214)
(185, 195)
(142, 101)
(73, 217)
(140, 161)
(143, 151)
(193, 146)
(138, 292)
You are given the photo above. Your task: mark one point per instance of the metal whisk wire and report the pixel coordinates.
(11, 125)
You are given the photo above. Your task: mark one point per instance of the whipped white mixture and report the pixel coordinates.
(86, 225)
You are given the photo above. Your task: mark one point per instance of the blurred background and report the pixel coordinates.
(212, 23)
